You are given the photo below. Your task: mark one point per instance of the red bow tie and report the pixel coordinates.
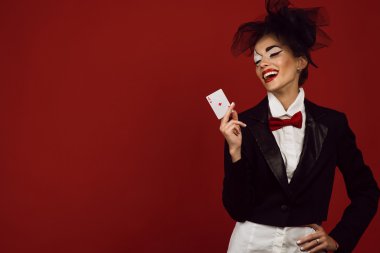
(295, 120)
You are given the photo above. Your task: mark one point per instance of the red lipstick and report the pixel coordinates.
(269, 74)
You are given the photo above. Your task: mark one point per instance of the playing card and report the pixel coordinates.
(218, 102)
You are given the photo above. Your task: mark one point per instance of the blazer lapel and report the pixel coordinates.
(267, 143)
(315, 134)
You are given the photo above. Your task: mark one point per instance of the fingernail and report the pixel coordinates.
(301, 248)
(298, 242)
(245, 125)
(232, 103)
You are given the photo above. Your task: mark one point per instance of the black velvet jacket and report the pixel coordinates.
(255, 188)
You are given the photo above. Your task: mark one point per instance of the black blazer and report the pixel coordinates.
(255, 188)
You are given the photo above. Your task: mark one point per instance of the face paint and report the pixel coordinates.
(277, 66)
(274, 51)
(256, 57)
(271, 51)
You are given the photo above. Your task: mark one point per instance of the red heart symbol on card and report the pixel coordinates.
(220, 104)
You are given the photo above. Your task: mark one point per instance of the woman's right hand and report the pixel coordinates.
(231, 129)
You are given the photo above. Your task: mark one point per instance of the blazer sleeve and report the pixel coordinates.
(237, 193)
(361, 188)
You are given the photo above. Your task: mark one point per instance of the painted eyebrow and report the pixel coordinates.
(270, 47)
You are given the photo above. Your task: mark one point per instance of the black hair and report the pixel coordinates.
(297, 28)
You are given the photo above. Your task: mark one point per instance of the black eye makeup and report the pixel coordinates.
(274, 54)
(271, 51)
(256, 57)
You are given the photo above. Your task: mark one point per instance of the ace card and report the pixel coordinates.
(218, 102)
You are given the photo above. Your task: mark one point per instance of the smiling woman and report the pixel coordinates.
(280, 155)
(276, 66)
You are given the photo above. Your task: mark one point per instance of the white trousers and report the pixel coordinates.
(249, 237)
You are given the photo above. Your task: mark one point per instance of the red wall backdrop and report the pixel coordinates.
(107, 141)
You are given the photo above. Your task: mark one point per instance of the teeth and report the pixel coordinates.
(266, 75)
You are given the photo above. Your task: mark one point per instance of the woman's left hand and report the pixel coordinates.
(317, 241)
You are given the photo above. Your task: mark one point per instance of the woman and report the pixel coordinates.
(281, 155)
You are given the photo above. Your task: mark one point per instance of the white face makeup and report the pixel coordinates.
(276, 66)
(256, 57)
(271, 52)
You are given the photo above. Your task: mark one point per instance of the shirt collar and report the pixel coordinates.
(277, 110)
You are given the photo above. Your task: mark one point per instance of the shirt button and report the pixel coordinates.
(284, 208)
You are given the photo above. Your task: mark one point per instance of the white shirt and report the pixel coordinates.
(289, 138)
(257, 238)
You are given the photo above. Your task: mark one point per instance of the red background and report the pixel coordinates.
(107, 141)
